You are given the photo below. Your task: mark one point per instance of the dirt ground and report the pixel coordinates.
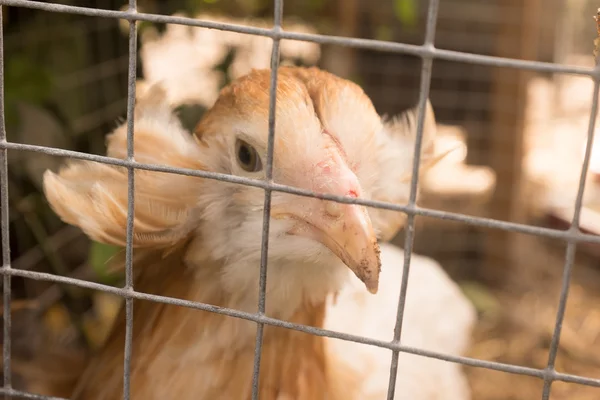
(520, 331)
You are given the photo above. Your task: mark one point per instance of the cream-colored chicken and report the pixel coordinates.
(199, 239)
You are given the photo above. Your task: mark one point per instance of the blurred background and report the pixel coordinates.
(521, 138)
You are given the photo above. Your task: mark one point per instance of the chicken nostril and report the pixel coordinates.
(333, 209)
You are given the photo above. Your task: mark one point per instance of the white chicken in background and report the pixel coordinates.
(199, 240)
(185, 59)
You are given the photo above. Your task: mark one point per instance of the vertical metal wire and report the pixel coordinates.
(5, 222)
(571, 247)
(130, 203)
(262, 286)
(427, 64)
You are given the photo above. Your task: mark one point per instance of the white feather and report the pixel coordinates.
(437, 317)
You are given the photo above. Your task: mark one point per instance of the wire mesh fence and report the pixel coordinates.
(428, 53)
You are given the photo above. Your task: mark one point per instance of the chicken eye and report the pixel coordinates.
(247, 156)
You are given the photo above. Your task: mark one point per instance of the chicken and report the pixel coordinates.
(200, 240)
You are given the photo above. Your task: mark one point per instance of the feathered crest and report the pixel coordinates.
(404, 126)
(395, 158)
(402, 129)
(93, 196)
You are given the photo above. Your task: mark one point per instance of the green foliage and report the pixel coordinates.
(33, 63)
(481, 297)
(384, 32)
(189, 115)
(98, 258)
(316, 5)
(406, 12)
(193, 7)
(26, 81)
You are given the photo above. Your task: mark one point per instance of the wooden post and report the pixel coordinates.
(341, 60)
(509, 95)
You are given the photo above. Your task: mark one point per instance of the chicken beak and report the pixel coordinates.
(346, 230)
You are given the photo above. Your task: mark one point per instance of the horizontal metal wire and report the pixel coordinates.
(25, 395)
(255, 317)
(428, 52)
(568, 235)
(380, 45)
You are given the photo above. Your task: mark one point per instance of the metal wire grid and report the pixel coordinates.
(427, 52)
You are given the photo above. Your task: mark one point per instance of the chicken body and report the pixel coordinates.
(199, 239)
